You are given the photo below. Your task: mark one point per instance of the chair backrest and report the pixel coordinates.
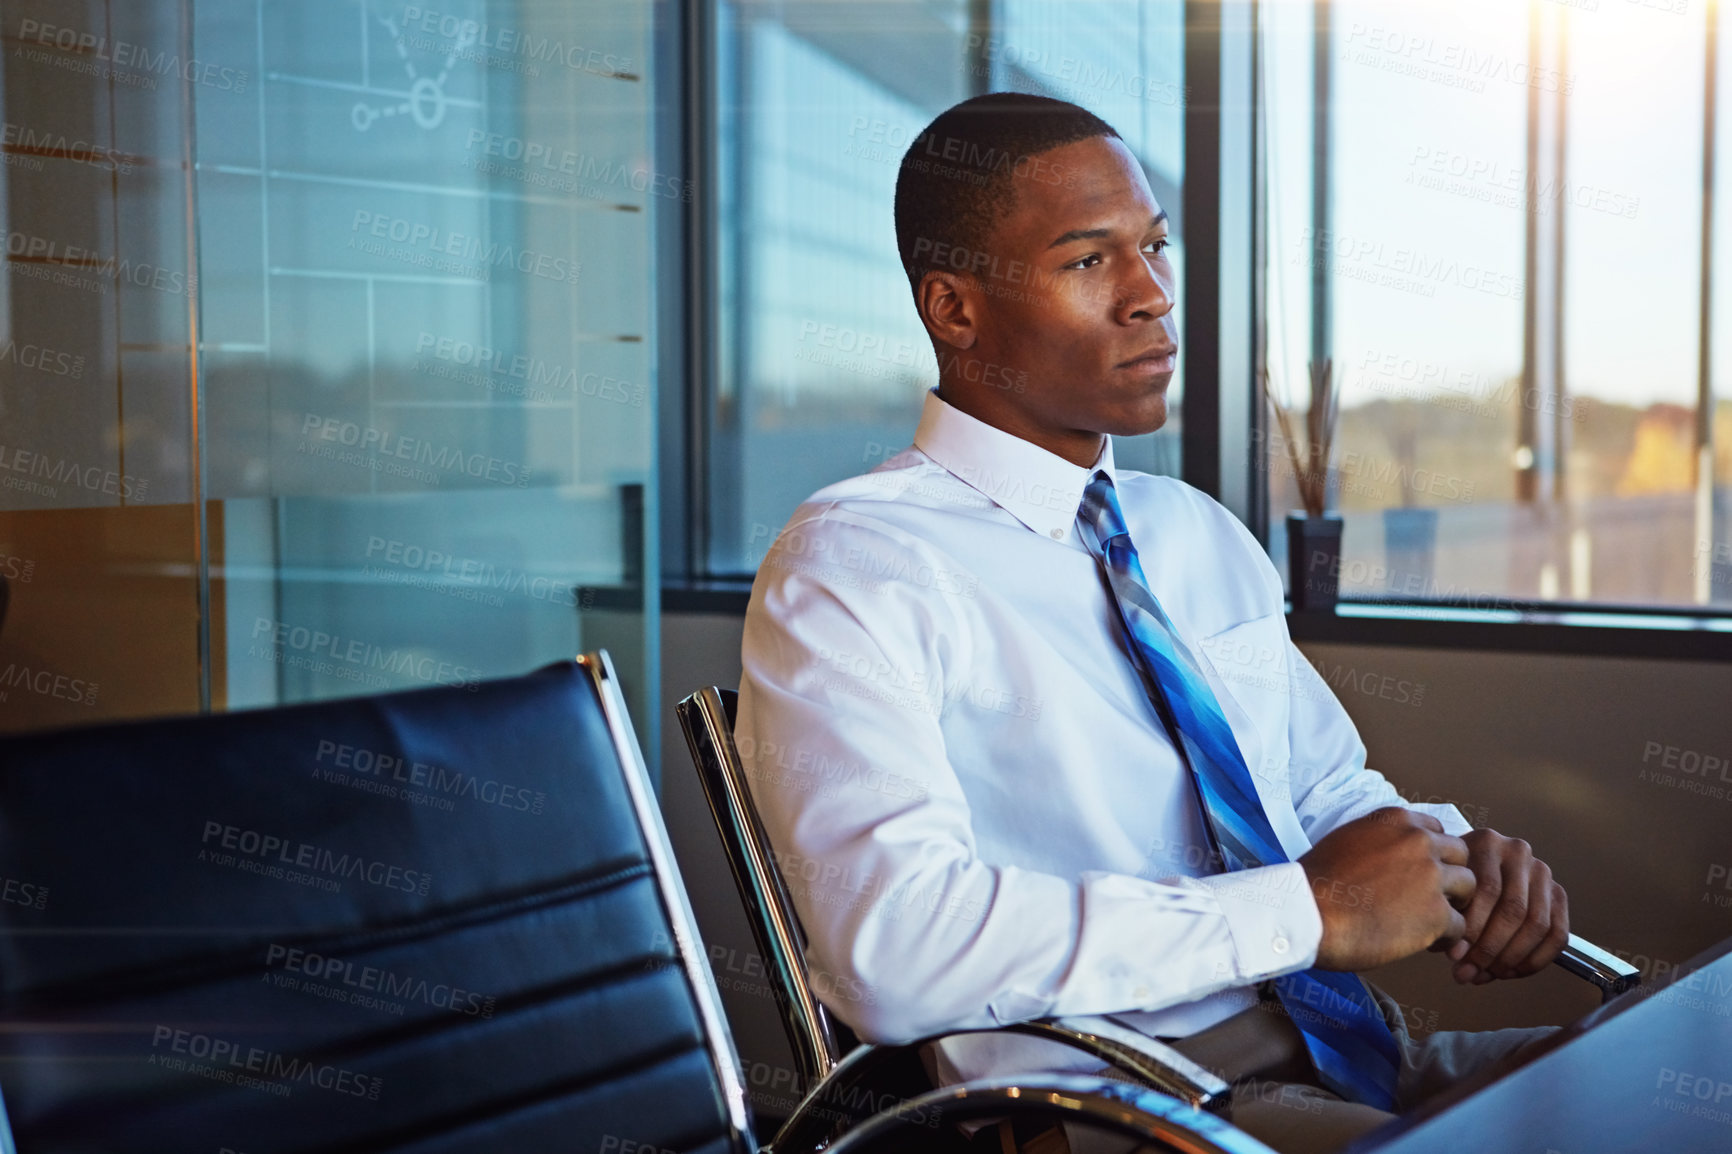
(445, 920)
(707, 717)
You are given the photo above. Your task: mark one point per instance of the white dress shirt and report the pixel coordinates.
(979, 815)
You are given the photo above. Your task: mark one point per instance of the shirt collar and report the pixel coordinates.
(1038, 488)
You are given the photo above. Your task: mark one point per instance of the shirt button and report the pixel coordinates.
(1279, 945)
(1140, 993)
(1058, 534)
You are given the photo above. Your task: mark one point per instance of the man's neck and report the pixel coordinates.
(1079, 447)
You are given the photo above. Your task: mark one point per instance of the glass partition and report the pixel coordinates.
(346, 317)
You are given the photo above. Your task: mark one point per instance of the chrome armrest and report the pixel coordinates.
(1165, 1069)
(1612, 974)
(832, 1106)
(1155, 1063)
(1137, 1112)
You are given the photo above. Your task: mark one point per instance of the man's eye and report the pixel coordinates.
(1085, 261)
(1159, 246)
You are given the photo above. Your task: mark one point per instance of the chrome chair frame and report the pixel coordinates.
(1612, 974)
(687, 942)
(707, 719)
(1152, 1118)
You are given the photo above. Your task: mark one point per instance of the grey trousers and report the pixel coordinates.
(1278, 1099)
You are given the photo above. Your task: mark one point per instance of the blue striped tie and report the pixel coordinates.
(1350, 1043)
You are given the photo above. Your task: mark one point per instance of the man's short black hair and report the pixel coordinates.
(959, 176)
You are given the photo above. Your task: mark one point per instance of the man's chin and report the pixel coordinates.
(1139, 420)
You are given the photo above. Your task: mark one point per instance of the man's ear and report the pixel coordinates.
(950, 305)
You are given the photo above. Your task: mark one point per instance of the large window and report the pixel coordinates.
(1490, 216)
(821, 359)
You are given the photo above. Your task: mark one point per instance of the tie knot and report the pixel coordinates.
(1100, 509)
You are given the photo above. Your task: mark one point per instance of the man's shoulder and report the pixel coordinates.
(892, 497)
(1153, 496)
(1223, 573)
(877, 533)
(910, 478)
(1157, 488)
(1173, 505)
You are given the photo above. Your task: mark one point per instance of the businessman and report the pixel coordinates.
(1027, 730)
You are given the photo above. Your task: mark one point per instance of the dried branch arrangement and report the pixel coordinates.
(1312, 474)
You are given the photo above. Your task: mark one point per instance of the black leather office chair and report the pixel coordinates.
(432, 921)
(835, 1068)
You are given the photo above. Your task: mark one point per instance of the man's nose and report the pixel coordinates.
(1141, 294)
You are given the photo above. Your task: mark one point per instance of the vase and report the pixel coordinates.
(1410, 551)
(1314, 561)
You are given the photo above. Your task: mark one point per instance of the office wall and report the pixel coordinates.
(1570, 753)
(1542, 747)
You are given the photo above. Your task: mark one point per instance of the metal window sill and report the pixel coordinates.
(1585, 631)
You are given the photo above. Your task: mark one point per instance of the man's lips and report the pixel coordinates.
(1160, 357)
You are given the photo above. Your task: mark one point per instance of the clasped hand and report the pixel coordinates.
(1393, 883)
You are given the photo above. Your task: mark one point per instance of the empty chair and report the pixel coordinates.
(441, 920)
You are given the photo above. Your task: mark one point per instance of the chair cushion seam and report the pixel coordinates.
(196, 971)
(488, 1112)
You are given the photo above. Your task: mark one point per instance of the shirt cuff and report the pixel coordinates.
(1454, 824)
(1272, 917)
